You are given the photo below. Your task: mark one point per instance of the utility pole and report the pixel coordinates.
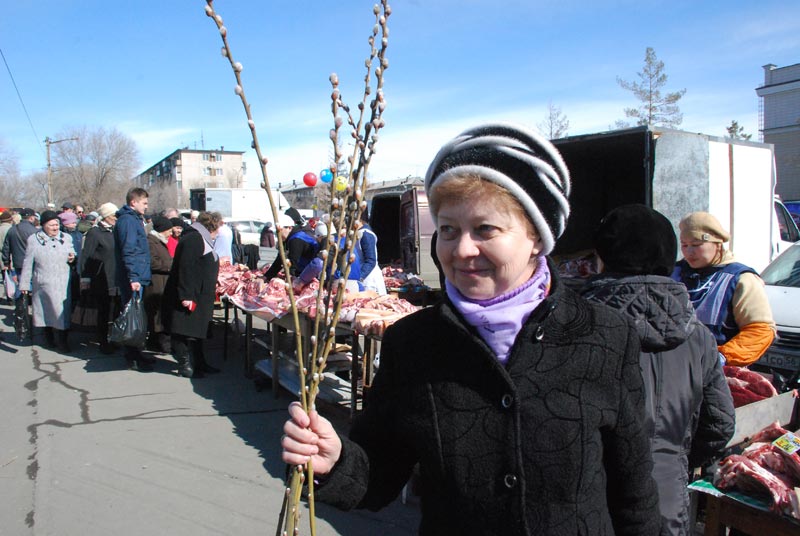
(50, 142)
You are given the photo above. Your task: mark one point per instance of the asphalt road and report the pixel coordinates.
(88, 447)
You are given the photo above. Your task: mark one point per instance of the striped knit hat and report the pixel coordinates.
(519, 160)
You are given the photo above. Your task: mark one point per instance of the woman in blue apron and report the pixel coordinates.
(728, 296)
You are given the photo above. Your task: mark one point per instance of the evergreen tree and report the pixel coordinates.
(655, 109)
(736, 132)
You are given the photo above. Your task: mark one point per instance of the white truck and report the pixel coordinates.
(237, 203)
(674, 172)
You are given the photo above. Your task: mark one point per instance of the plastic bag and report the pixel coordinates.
(130, 327)
(11, 286)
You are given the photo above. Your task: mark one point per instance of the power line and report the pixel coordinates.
(19, 95)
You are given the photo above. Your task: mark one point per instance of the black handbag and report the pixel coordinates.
(130, 327)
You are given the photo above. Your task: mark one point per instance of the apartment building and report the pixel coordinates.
(169, 180)
(779, 123)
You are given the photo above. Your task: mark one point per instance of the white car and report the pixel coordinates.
(249, 230)
(782, 278)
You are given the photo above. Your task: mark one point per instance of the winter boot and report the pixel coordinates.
(181, 354)
(62, 344)
(49, 338)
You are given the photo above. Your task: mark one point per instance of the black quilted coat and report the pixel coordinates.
(551, 444)
(689, 408)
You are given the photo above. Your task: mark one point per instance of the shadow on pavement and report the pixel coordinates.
(261, 427)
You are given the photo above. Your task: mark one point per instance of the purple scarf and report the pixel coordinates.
(499, 319)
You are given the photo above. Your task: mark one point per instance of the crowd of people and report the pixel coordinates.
(53, 262)
(57, 261)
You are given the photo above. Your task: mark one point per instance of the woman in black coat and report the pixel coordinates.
(160, 266)
(188, 303)
(521, 402)
(97, 268)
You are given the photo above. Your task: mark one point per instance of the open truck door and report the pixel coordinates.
(416, 234)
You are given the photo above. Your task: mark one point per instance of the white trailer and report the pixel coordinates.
(238, 203)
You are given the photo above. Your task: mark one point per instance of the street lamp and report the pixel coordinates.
(50, 142)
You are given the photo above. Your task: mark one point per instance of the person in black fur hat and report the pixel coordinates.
(679, 362)
(520, 401)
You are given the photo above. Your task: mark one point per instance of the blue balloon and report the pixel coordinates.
(325, 175)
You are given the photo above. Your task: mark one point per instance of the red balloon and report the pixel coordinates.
(309, 179)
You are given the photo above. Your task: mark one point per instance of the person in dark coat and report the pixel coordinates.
(521, 402)
(267, 237)
(689, 409)
(188, 303)
(132, 255)
(97, 268)
(13, 255)
(160, 266)
(69, 225)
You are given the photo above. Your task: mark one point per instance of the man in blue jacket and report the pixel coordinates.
(133, 261)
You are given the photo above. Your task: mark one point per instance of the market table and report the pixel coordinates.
(282, 363)
(737, 510)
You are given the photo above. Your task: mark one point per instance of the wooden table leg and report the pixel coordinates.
(714, 526)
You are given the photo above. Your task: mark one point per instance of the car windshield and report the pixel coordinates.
(258, 225)
(785, 270)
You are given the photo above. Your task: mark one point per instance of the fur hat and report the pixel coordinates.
(68, 218)
(177, 221)
(161, 224)
(519, 160)
(703, 226)
(47, 215)
(106, 210)
(6, 217)
(635, 239)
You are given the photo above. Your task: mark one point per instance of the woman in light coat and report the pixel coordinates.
(46, 276)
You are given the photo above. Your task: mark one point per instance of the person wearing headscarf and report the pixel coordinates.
(46, 276)
(98, 267)
(688, 406)
(160, 267)
(188, 303)
(728, 296)
(520, 402)
(177, 228)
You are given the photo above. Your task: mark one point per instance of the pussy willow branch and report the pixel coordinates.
(325, 330)
(262, 159)
(357, 177)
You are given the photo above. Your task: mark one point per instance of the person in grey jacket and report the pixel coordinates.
(46, 276)
(689, 409)
(13, 255)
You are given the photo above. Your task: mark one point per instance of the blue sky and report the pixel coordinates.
(153, 70)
